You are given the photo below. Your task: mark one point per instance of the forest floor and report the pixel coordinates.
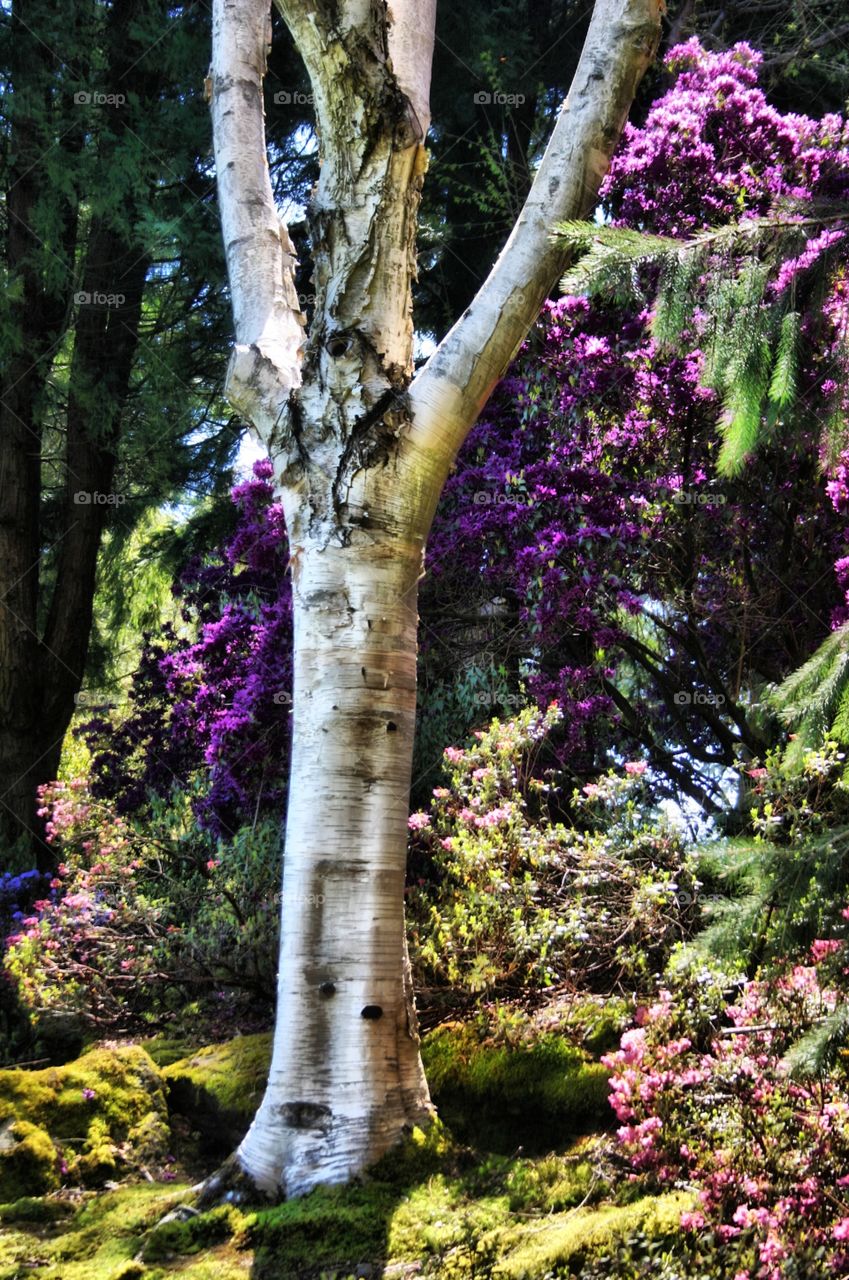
(516, 1180)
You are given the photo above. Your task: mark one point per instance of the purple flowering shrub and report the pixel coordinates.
(211, 713)
(707, 1099)
(583, 541)
(713, 149)
(514, 900)
(142, 916)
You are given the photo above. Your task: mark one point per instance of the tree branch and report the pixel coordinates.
(452, 388)
(266, 361)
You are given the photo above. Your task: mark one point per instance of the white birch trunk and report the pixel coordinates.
(360, 453)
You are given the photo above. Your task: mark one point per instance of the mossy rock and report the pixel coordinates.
(165, 1050)
(29, 1162)
(90, 1112)
(219, 1089)
(331, 1231)
(537, 1095)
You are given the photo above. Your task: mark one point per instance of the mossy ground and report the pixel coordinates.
(454, 1205)
(435, 1206)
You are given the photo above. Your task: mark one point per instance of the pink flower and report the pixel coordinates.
(453, 754)
(592, 789)
(418, 821)
(757, 773)
(840, 1230)
(635, 767)
(823, 947)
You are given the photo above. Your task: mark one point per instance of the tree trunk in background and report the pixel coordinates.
(361, 451)
(42, 658)
(39, 315)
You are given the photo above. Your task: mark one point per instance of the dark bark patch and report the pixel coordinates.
(306, 1115)
(372, 1012)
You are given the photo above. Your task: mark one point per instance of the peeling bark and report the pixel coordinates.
(360, 451)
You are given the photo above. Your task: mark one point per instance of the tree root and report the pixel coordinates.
(229, 1184)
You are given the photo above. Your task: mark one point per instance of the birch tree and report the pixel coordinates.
(361, 449)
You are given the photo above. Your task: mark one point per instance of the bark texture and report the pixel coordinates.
(361, 451)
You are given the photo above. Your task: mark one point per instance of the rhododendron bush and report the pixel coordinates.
(139, 919)
(513, 899)
(706, 1097)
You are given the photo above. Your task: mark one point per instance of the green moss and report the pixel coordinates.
(90, 1109)
(165, 1050)
(191, 1235)
(100, 1241)
(220, 1088)
(222, 1263)
(537, 1095)
(553, 1183)
(35, 1209)
(529, 1253)
(436, 1219)
(420, 1153)
(28, 1161)
(330, 1228)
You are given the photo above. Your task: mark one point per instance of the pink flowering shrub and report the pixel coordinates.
(708, 1098)
(139, 917)
(512, 899)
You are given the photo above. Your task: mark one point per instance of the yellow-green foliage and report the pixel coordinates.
(101, 1112)
(220, 1087)
(537, 1094)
